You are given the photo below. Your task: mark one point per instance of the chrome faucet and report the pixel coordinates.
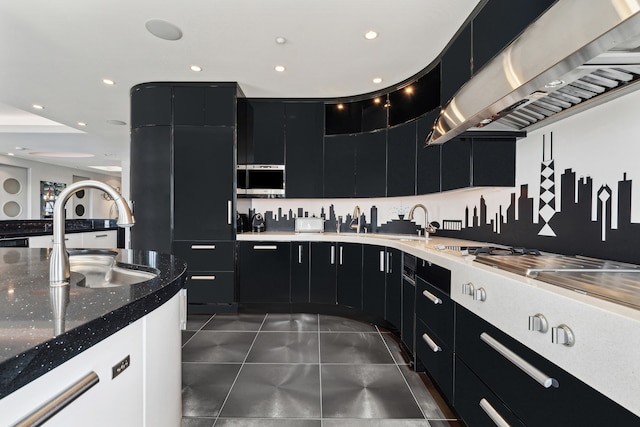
(428, 228)
(355, 220)
(59, 271)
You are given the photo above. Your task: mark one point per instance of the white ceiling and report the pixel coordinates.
(56, 54)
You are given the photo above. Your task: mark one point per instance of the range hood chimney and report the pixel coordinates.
(577, 53)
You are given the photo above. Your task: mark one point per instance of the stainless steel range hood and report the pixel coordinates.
(574, 56)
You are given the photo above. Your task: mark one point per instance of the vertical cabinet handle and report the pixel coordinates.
(493, 414)
(229, 211)
(382, 261)
(389, 262)
(333, 255)
(341, 250)
(299, 254)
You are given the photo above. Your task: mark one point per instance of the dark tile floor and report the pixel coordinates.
(300, 370)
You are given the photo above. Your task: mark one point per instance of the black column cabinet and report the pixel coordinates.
(268, 133)
(374, 280)
(371, 164)
(339, 166)
(349, 274)
(304, 131)
(323, 273)
(300, 264)
(401, 160)
(263, 272)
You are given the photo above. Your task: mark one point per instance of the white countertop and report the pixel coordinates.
(607, 347)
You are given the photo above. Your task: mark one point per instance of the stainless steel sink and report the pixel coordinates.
(101, 270)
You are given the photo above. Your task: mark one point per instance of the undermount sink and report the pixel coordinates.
(101, 270)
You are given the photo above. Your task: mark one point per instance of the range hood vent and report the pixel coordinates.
(573, 57)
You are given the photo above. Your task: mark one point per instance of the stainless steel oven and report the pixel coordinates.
(261, 180)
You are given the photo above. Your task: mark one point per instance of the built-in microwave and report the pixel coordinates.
(260, 180)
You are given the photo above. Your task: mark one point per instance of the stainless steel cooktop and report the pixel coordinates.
(610, 280)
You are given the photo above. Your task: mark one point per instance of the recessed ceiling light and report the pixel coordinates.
(280, 40)
(38, 107)
(20, 148)
(340, 106)
(108, 82)
(279, 68)
(163, 29)
(116, 122)
(82, 124)
(108, 168)
(408, 90)
(371, 35)
(377, 80)
(10, 154)
(377, 101)
(60, 154)
(196, 68)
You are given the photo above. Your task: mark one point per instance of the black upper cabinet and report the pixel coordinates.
(204, 106)
(339, 166)
(374, 114)
(428, 158)
(456, 164)
(500, 22)
(203, 179)
(267, 140)
(150, 105)
(416, 99)
(456, 65)
(401, 160)
(371, 164)
(343, 118)
(304, 127)
(151, 163)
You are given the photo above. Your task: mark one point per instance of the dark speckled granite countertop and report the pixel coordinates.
(28, 347)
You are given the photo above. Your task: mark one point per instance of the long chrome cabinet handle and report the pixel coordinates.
(389, 262)
(229, 211)
(541, 378)
(382, 261)
(333, 255)
(58, 403)
(203, 277)
(431, 343)
(341, 250)
(299, 254)
(493, 414)
(203, 247)
(434, 299)
(265, 247)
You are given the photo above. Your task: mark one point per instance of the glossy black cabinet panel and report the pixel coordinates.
(300, 264)
(427, 158)
(436, 310)
(571, 403)
(456, 65)
(263, 272)
(204, 106)
(304, 138)
(150, 105)
(340, 165)
(204, 173)
(436, 357)
(494, 162)
(323, 273)
(374, 280)
(206, 255)
(208, 288)
(268, 133)
(343, 118)
(371, 164)
(456, 164)
(499, 23)
(416, 99)
(393, 309)
(349, 275)
(401, 160)
(374, 114)
(408, 314)
(151, 187)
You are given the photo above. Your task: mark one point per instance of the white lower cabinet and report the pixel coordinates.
(145, 393)
(93, 239)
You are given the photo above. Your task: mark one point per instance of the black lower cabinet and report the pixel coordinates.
(408, 314)
(571, 403)
(300, 263)
(263, 272)
(435, 357)
(477, 405)
(374, 280)
(349, 274)
(323, 273)
(393, 309)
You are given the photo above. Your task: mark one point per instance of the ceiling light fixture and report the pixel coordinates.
(10, 154)
(82, 124)
(279, 68)
(108, 82)
(196, 68)
(377, 101)
(108, 168)
(340, 106)
(20, 148)
(377, 80)
(163, 29)
(116, 122)
(371, 35)
(280, 40)
(38, 107)
(408, 90)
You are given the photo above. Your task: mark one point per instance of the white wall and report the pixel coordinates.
(38, 171)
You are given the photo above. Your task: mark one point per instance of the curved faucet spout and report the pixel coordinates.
(355, 219)
(59, 271)
(428, 228)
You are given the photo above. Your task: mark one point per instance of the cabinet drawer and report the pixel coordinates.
(436, 310)
(517, 375)
(477, 405)
(206, 256)
(437, 276)
(210, 287)
(436, 357)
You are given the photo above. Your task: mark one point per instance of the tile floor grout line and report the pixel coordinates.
(415, 399)
(239, 370)
(195, 332)
(320, 371)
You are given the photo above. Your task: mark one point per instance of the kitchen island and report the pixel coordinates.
(53, 336)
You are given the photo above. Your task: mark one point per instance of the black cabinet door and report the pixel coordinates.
(428, 158)
(436, 357)
(263, 272)
(150, 106)
(393, 313)
(151, 187)
(456, 164)
(340, 166)
(349, 275)
(203, 178)
(374, 280)
(371, 164)
(268, 133)
(204, 106)
(300, 262)
(210, 287)
(323, 273)
(408, 314)
(304, 135)
(401, 158)
(494, 162)
(456, 65)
